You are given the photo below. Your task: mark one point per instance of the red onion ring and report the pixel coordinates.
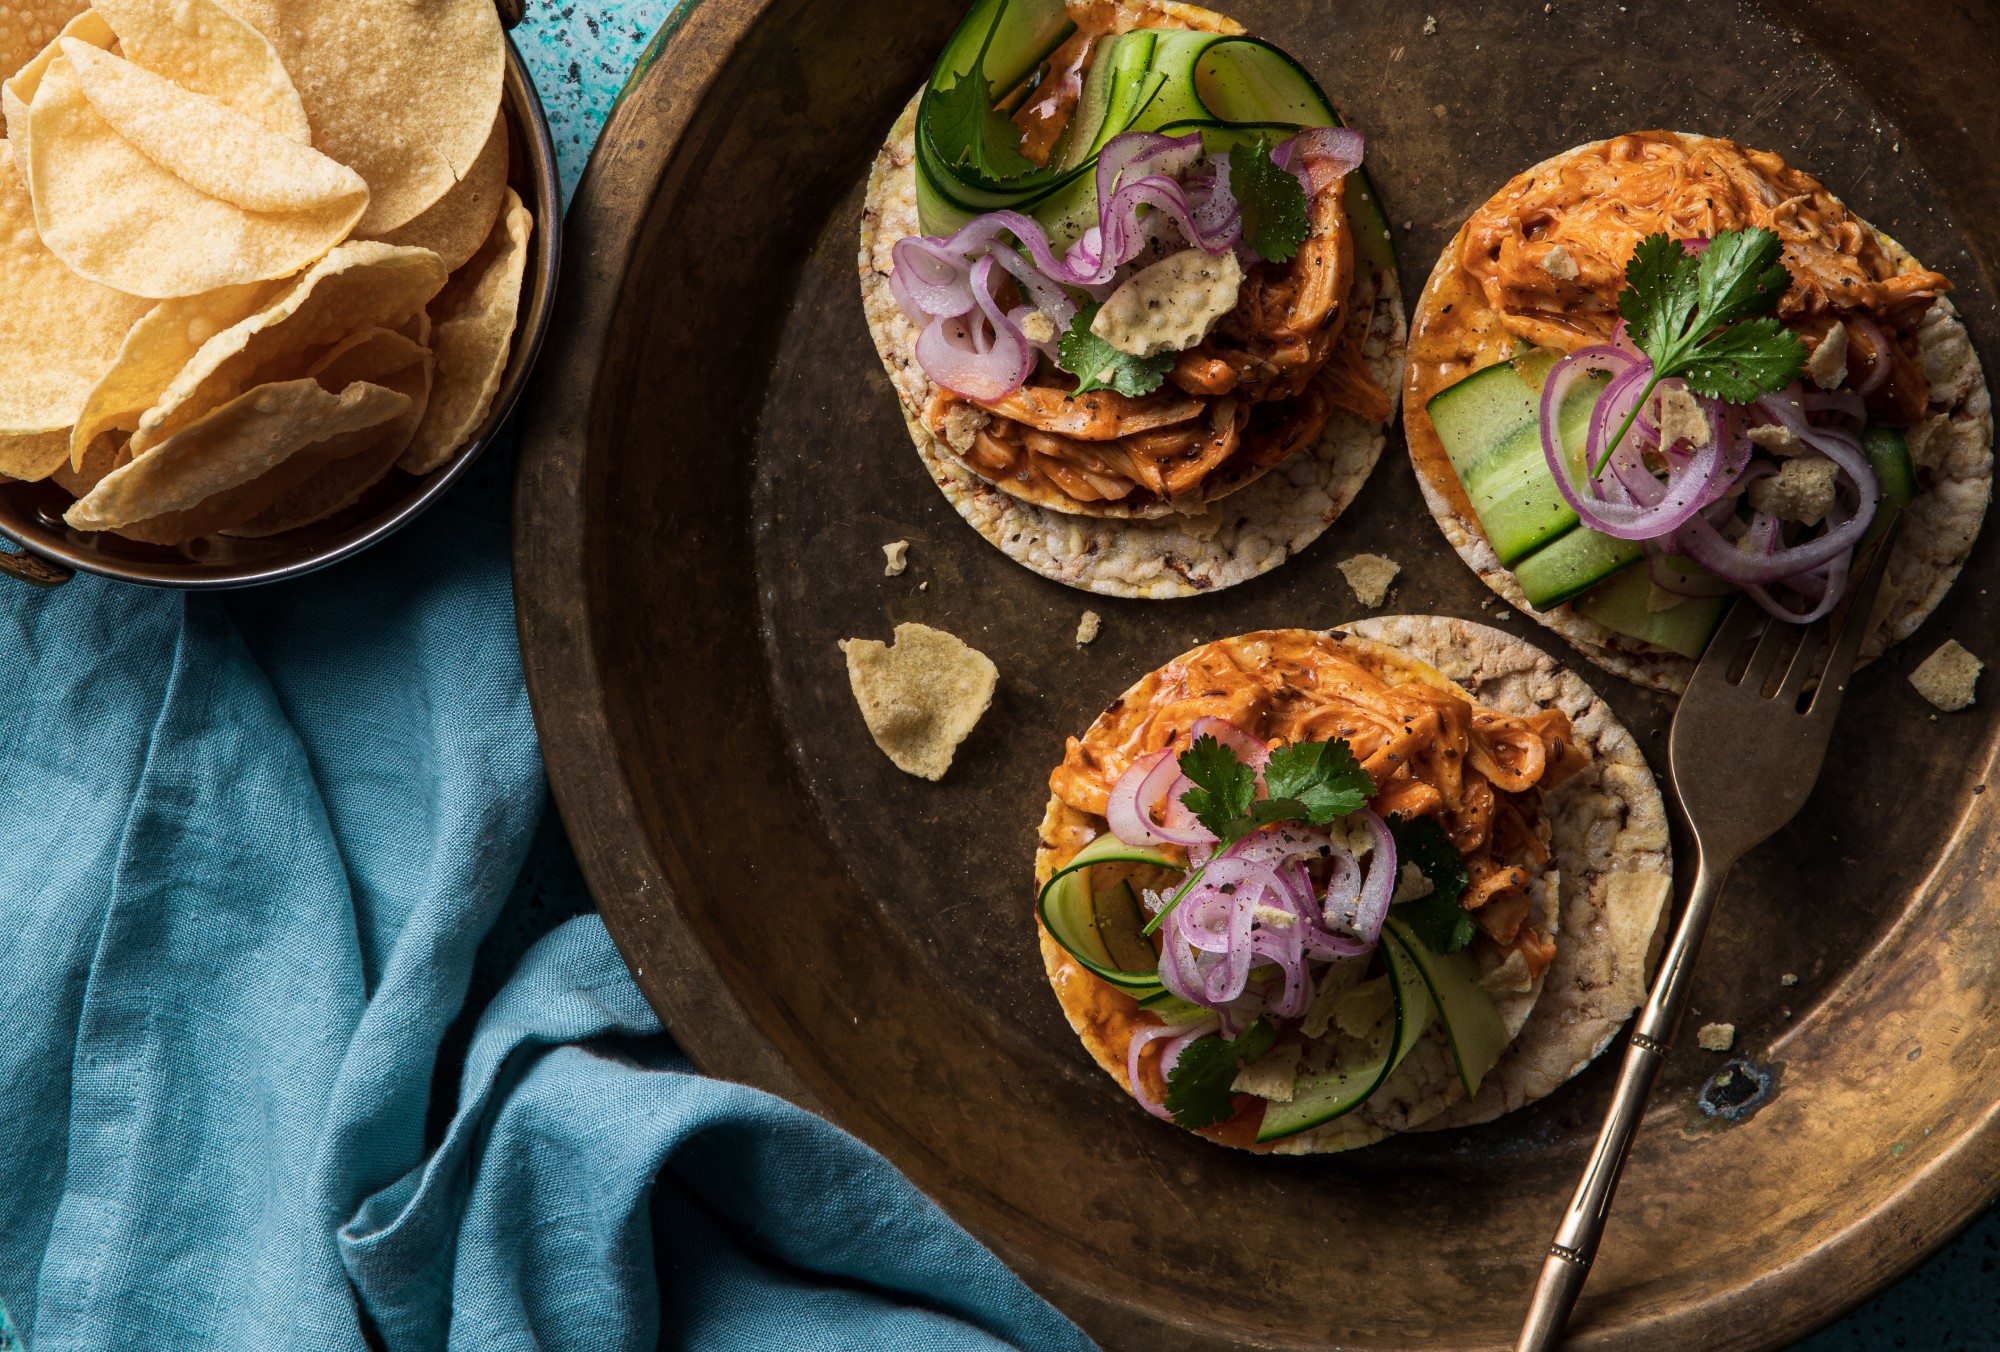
(1699, 538)
(1881, 363)
(1152, 780)
(986, 358)
(1319, 155)
(1634, 512)
(1170, 1056)
(1252, 751)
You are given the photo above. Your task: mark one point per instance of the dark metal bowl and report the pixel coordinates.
(714, 459)
(31, 514)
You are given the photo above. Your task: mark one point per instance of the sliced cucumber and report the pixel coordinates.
(1319, 1099)
(1490, 425)
(1470, 1021)
(1104, 934)
(1620, 604)
(1889, 453)
(1170, 1007)
(1232, 90)
(1572, 564)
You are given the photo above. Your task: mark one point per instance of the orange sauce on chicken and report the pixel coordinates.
(1430, 749)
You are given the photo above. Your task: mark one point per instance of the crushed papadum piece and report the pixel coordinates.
(921, 696)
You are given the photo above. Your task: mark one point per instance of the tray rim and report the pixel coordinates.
(627, 168)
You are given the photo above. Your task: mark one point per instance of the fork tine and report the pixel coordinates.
(1769, 644)
(1811, 641)
(1722, 648)
(1854, 626)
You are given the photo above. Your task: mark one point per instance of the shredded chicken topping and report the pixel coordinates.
(1259, 388)
(1431, 750)
(1549, 251)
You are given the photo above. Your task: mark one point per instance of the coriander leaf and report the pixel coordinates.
(1439, 921)
(1224, 788)
(1273, 202)
(1742, 273)
(1746, 360)
(1707, 319)
(1100, 366)
(1198, 1085)
(1322, 777)
(1662, 287)
(1444, 927)
(962, 118)
(1421, 841)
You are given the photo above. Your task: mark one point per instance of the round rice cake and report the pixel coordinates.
(1603, 898)
(1954, 443)
(1249, 521)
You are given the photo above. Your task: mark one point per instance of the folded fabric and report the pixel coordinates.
(252, 845)
(769, 1228)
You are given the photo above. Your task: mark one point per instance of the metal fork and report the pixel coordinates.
(1743, 764)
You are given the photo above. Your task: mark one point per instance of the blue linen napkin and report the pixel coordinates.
(249, 846)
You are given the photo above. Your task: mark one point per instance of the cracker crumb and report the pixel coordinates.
(1088, 627)
(1037, 327)
(897, 558)
(1779, 441)
(1789, 979)
(1170, 306)
(1438, 111)
(1411, 884)
(1558, 264)
(1828, 363)
(1511, 977)
(962, 425)
(920, 697)
(1716, 1037)
(1370, 576)
(1929, 440)
(1273, 1076)
(1948, 676)
(1803, 491)
(1430, 24)
(1682, 419)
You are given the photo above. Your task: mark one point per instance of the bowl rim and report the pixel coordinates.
(45, 553)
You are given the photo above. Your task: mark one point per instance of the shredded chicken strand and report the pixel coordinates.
(1431, 750)
(1256, 391)
(1549, 251)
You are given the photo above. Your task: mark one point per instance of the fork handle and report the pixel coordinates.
(1569, 1258)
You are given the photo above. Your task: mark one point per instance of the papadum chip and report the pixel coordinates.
(32, 455)
(27, 26)
(154, 351)
(402, 91)
(191, 484)
(58, 332)
(104, 454)
(206, 47)
(377, 357)
(19, 89)
(456, 224)
(920, 697)
(117, 217)
(208, 145)
(475, 316)
(357, 286)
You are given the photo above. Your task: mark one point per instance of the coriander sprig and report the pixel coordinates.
(1305, 782)
(1707, 319)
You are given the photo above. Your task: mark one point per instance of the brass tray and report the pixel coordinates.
(712, 462)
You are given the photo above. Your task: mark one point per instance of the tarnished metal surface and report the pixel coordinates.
(31, 513)
(712, 462)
